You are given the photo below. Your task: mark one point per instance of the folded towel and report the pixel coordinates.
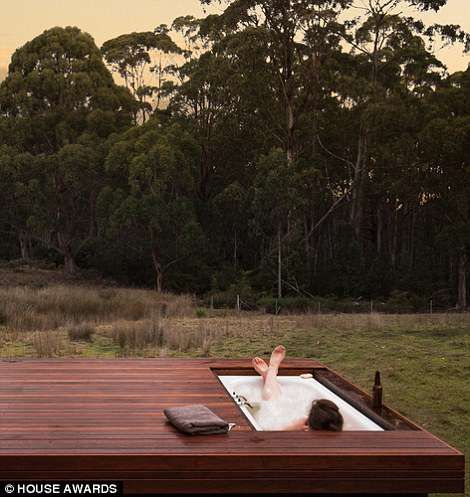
(196, 420)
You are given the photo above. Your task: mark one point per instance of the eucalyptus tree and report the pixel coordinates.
(62, 104)
(278, 61)
(134, 57)
(298, 37)
(446, 140)
(301, 37)
(223, 97)
(275, 199)
(17, 177)
(154, 204)
(390, 55)
(56, 83)
(63, 199)
(231, 210)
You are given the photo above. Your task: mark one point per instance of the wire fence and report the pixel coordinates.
(276, 306)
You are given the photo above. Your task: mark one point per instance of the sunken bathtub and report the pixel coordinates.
(299, 392)
(102, 420)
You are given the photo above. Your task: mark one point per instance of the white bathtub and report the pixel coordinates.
(297, 394)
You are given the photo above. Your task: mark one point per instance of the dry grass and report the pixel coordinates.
(51, 308)
(138, 335)
(376, 321)
(161, 336)
(94, 321)
(49, 344)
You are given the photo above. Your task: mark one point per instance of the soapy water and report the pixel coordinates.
(294, 403)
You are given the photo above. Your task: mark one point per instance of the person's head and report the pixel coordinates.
(325, 415)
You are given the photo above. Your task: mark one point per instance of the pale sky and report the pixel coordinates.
(22, 20)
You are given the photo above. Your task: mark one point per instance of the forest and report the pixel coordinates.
(277, 149)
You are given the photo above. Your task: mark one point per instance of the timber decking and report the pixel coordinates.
(103, 419)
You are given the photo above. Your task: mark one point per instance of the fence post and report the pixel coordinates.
(212, 302)
(371, 306)
(430, 307)
(238, 303)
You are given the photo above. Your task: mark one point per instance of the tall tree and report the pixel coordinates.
(18, 174)
(297, 35)
(390, 49)
(155, 206)
(62, 104)
(135, 56)
(446, 140)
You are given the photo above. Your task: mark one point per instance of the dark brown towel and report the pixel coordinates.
(196, 420)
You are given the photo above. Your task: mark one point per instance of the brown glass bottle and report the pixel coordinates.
(377, 392)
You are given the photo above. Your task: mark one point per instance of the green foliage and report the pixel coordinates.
(404, 302)
(201, 313)
(156, 209)
(273, 305)
(55, 84)
(62, 104)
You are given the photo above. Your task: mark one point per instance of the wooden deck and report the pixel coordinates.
(103, 420)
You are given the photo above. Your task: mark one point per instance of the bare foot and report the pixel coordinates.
(260, 366)
(277, 356)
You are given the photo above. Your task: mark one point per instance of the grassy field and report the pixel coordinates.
(424, 359)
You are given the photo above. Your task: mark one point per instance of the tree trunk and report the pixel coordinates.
(379, 229)
(64, 246)
(290, 134)
(159, 278)
(279, 263)
(462, 280)
(394, 241)
(25, 245)
(235, 249)
(308, 252)
(70, 267)
(158, 270)
(315, 257)
(412, 240)
(357, 206)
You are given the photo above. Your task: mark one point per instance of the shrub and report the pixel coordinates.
(272, 305)
(227, 298)
(201, 313)
(139, 335)
(206, 345)
(48, 344)
(81, 333)
(404, 302)
(3, 318)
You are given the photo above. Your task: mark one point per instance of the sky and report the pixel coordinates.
(22, 20)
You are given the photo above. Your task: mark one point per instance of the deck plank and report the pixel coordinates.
(102, 419)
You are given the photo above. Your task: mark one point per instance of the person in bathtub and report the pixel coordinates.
(323, 415)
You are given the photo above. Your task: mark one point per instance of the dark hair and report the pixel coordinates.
(325, 415)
